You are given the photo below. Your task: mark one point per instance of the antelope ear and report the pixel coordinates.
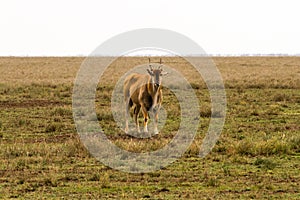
(150, 72)
(164, 73)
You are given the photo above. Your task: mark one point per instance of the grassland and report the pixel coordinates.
(256, 157)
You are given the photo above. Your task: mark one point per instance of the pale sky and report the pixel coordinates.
(72, 28)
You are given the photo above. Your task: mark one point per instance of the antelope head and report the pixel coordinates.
(156, 74)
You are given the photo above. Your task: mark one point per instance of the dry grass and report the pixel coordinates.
(260, 72)
(35, 70)
(256, 157)
(243, 72)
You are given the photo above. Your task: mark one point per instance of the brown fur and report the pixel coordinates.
(143, 91)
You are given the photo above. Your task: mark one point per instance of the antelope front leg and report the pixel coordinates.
(127, 107)
(155, 123)
(136, 113)
(145, 113)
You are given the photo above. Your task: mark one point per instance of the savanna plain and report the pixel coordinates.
(257, 155)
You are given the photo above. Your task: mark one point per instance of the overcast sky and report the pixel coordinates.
(72, 28)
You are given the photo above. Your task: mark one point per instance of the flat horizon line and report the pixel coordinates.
(171, 55)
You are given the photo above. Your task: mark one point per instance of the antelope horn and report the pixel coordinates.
(150, 65)
(159, 67)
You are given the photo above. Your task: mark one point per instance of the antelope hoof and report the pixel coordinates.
(126, 130)
(156, 132)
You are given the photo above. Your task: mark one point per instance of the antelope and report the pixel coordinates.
(144, 91)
